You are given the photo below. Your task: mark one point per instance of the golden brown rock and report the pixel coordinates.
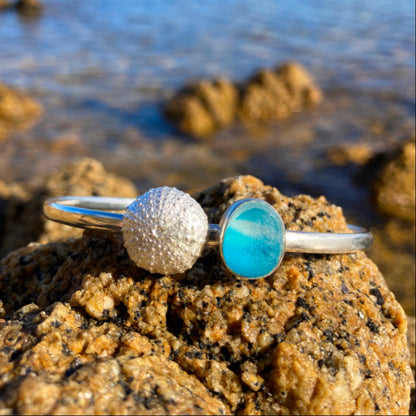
(411, 341)
(21, 219)
(395, 189)
(202, 107)
(323, 335)
(265, 97)
(191, 116)
(29, 8)
(17, 110)
(300, 85)
(358, 153)
(278, 94)
(393, 251)
(411, 344)
(4, 5)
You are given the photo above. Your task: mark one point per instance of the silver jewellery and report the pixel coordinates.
(165, 231)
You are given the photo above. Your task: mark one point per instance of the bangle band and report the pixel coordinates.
(165, 231)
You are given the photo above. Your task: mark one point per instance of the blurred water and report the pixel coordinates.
(161, 43)
(102, 69)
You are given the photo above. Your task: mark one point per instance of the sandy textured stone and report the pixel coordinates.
(300, 85)
(393, 251)
(412, 349)
(202, 108)
(265, 97)
(17, 110)
(395, 189)
(4, 4)
(21, 218)
(323, 335)
(29, 8)
(278, 94)
(357, 153)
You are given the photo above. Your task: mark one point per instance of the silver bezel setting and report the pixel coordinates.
(223, 226)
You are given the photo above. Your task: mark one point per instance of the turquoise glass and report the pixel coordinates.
(252, 243)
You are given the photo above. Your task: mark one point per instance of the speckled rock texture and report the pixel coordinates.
(202, 108)
(21, 219)
(395, 189)
(86, 331)
(17, 110)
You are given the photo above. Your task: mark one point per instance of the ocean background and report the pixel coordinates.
(103, 69)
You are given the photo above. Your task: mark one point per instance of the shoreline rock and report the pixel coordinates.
(29, 8)
(94, 333)
(206, 106)
(21, 218)
(395, 188)
(26, 8)
(17, 110)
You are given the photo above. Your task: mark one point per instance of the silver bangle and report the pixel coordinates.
(165, 231)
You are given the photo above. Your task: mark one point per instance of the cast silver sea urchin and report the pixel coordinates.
(164, 230)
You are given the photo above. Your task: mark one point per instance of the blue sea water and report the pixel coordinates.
(159, 44)
(102, 69)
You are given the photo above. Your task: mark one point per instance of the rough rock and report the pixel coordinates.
(21, 219)
(29, 8)
(203, 107)
(96, 334)
(279, 93)
(300, 85)
(265, 97)
(411, 341)
(357, 153)
(394, 253)
(395, 189)
(17, 110)
(5, 5)
(412, 349)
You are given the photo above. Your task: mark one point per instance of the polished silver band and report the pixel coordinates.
(96, 213)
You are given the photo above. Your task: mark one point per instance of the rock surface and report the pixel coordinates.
(29, 8)
(85, 331)
(357, 153)
(21, 219)
(17, 110)
(279, 93)
(4, 4)
(395, 189)
(204, 107)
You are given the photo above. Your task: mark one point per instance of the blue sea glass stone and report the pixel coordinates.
(252, 243)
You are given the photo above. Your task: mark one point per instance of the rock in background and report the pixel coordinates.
(392, 178)
(21, 219)
(17, 110)
(202, 108)
(26, 8)
(395, 189)
(86, 331)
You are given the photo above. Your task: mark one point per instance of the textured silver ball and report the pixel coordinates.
(164, 230)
